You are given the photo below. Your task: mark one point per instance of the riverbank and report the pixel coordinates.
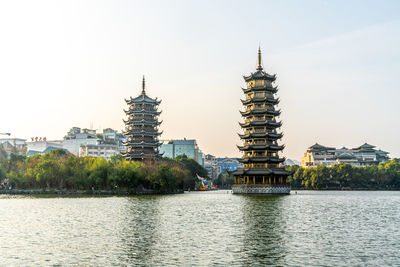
(85, 192)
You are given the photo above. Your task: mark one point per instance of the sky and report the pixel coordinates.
(72, 63)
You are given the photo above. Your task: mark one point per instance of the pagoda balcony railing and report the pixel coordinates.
(257, 97)
(256, 131)
(257, 119)
(140, 153)
(263, 167)
(138, 130)
(143, 109)
(259, 143)
(140, 142)
(274, 160)
(249, 156)
(260, 120)
(260, 108)
(147, 120)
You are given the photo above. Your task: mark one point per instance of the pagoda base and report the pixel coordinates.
(260, 189)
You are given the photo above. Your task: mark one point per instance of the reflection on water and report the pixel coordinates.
(262, 230)
(139, 230)
(203, 229)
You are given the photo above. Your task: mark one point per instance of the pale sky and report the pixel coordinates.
(72, 63)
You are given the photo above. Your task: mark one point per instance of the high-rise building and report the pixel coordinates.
(262, 171)
(173, 148)
(142, 127)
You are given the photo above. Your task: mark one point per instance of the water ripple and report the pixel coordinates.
(203, 229)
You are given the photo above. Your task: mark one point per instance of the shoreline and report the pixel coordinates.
(57, 192)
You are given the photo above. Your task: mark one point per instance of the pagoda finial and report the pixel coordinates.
(259, 67)
(143, 86)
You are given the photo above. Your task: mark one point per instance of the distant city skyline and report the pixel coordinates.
(72, 63)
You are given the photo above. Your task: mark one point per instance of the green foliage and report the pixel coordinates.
(345, 176)
(3, 153)
(2, 173)
(224, 180)
(61, 170)
(192, 165)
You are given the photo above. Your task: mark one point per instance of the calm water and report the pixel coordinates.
(203, 229)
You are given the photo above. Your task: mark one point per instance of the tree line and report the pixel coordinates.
(61, 170)
(385, 176)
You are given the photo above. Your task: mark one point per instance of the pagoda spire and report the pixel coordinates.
(143, 86)
(259, 67)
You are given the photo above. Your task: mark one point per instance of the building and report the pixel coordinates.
(142, 128)
(227, 165)
(112, 137)
(42, 146)
(173, 148)
(13, 145)
(363, 155)
(78, 137)
(262, 171)
(98, 151)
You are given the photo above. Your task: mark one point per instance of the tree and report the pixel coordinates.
(3, 153)
(192, 165)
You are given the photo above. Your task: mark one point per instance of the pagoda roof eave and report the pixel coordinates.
(268, 100)
(261, 147)
(261, 135)
(142, 111)
(261, 123)
(262, 159)
(261, 111)
(261, 88)
(260, 75)
(143, 98)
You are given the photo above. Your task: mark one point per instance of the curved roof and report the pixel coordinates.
(272, 124)
(261, 88)
(261, 111)
(143, 98)
(345, 156)
(365, 145)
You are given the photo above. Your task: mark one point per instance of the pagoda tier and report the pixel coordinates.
(269, 124)
(262, 170)
(261, 147)
(261, 88)
(262, 160)
(271, 136)
(141, 111)
(142, 122)
(142, 128)
(264, 111)
(260, 75)
(267, 100)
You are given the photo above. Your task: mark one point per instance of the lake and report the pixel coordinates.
(310, 228)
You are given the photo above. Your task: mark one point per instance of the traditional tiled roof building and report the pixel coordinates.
(262, 170)
(142, 127)
(363, 155)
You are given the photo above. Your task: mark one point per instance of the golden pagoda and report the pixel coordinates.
(262, 171)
